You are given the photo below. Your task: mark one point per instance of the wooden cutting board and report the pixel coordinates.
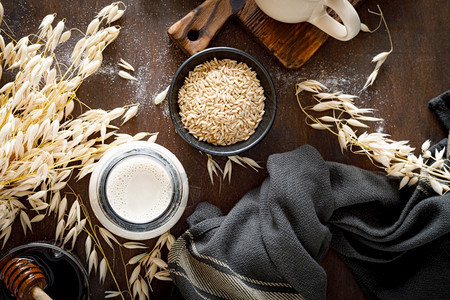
(291, 44)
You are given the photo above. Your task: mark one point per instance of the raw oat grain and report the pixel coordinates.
(221, 102)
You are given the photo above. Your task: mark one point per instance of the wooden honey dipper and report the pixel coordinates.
(24, 279)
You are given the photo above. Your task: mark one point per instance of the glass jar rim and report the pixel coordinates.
(120, 226)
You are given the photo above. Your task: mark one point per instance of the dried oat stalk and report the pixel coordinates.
(345, 120)
(94, 247)
(146, 267)
(41, 144)
(149, 265)
(380, 58)
(214, 168)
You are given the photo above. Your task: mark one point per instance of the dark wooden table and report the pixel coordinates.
(416, 71)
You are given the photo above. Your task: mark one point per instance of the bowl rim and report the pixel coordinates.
(222, 150)
(30, 250)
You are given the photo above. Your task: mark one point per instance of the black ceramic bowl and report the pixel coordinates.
(66, 277)
(266, 83)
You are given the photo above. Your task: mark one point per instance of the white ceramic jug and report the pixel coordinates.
(315, 12)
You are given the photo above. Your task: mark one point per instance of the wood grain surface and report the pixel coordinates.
(291, 44)
(195, 31)
(416, 71)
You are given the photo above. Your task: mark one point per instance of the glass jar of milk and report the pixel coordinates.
(138, 190)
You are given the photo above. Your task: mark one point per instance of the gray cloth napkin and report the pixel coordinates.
(270, 244)
(441, 107)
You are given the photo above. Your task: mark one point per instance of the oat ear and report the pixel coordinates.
(395, 157)
(381, 57)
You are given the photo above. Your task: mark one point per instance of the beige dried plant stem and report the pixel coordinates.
(39, 140)
(147, 266)
(214, 168)
(380, 58)
(42, 144)
(93, 236)
(345, 119)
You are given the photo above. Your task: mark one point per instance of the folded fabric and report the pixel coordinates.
(270, 244)
(441, 107)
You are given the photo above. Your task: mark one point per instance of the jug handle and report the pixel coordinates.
(350, 19)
